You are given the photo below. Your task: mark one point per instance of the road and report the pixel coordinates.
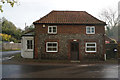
(8, 54)
(60, 71)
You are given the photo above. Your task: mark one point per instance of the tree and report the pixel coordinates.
(5, 37)
(112, 20)
(10, 29)
(29, 28)
(0, 25)
(110, 17)
(11, 2)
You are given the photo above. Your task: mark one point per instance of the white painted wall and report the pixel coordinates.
(25, 53)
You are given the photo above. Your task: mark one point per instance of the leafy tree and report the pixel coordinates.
(5, 37)
(11, 2)
(29, 28)
(10, 29)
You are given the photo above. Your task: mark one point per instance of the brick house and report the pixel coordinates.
(72, 35)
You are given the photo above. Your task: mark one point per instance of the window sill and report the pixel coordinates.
(29, 50)
(90, 33)
(51, 51)
(52, 33)
(90, 51)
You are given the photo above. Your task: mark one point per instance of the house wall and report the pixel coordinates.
(66, 34)
(24, 52)
(81, 29)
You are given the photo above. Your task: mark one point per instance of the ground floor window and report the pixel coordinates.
(51, 47)
(90, 47)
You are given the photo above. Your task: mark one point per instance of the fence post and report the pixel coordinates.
(104, 57)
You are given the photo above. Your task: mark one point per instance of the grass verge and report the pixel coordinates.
(11, 50)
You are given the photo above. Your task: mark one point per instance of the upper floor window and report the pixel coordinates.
(90, 30)
(52, 29)
(51, 47)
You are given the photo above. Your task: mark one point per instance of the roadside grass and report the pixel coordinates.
(19, 59)
(10, 50)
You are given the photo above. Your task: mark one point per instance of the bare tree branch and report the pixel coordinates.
(110, 17)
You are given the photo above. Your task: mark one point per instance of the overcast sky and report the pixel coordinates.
(29, 11)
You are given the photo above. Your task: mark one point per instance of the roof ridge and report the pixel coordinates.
(66, 11)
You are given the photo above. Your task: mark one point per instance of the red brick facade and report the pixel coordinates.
(66, 34)
(67, 29)
(81, 29)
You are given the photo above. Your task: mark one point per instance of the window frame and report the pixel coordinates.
(90, 29)
(90, 46)
(31, 44)
(52, 30)
(54, 47)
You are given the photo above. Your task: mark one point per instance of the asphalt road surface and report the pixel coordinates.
(58, 70)
(6, 55)
(61, 71)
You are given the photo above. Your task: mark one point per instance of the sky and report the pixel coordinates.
(28, 11)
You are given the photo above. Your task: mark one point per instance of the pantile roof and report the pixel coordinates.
(69, 17)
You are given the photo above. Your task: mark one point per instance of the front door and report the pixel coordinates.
(74, 50)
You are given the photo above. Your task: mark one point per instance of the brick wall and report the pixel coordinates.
(81, 29)
(66, 33)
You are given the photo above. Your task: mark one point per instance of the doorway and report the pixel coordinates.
(74, 50)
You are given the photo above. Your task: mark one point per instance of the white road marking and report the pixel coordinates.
(7, 58)
(85, 65)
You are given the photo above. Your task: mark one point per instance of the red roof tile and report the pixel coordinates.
(69, 17)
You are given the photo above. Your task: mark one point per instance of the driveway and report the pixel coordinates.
(60, 71)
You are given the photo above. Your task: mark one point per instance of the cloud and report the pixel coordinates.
(31, 10)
